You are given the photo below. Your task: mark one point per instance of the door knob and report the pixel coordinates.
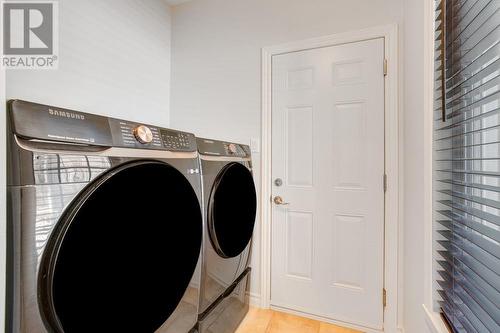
(279, 201)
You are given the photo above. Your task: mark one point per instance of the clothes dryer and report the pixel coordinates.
(229, 207)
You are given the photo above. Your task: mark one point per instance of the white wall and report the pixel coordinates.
(114, 59)
(216, 45)
(417, 140)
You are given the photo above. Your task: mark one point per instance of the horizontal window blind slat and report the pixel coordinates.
(486, 289)
(475, 103)
(472, 211)
(469, 26)
(468, 133)
(461, 21)
(458, 303)
(472, 198)
(479, 130)
(453, 315)
(473, 311)
(473, 236)
(443, 295)
(445, 265)
(485, 187)
(486, 34)
(445, 223)
(458, 159)
(473, 66)
(457, 10)
(470, 150)
(482, 307)
(472, 249)
(474, 78)
(461, 122)
(491, 310)
(483, 287)
(475, 225)
(472, 172)
(482, 249)
(466, 325)
(462, 59)
(485, 37)
(461, 9)
(474, 265)
(470, 95)
(447, 287)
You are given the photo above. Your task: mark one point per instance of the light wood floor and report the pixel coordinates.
(269, 321)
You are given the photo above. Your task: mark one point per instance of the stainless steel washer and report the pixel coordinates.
(229, 206)
(104, 224)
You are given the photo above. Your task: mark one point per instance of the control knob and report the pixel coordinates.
(143, 134)
(232, 148)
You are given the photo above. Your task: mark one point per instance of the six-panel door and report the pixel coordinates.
(328, 149)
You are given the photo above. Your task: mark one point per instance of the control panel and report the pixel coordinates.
(37, 121)
(129, 134)
(222, 148)
(176, 140)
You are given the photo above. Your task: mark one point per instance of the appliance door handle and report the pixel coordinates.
(279, 201)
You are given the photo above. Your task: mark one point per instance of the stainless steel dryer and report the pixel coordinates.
(230, 203)
(104, 224)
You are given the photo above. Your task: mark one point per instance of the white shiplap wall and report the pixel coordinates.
(114, 60)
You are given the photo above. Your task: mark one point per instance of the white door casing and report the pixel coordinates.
(328, 149)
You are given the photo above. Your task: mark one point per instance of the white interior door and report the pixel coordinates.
(328, 150)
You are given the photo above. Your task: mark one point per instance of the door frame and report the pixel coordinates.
(393, 200)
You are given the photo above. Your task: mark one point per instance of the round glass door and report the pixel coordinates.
(124, 253)
(231, 210)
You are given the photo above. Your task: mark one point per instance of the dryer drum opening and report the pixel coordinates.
(231, 210)
(123, 255)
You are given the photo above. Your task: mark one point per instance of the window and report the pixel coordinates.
(467, 164)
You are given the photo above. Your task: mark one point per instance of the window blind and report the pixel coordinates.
(467, 163)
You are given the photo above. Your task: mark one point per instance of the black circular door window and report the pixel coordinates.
(231, 210)
(124, 253)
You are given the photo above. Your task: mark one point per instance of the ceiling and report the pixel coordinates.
(176, 2)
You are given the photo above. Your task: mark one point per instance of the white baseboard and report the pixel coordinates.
(254, 299)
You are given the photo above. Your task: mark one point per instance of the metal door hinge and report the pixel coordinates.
(385, 67)
(384, 297)
(385, 182)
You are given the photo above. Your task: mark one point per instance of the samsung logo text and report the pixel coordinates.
(66, 114)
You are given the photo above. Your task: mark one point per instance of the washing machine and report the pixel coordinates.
(229, 206)
(104, 224)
